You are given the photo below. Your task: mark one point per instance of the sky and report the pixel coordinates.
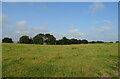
(80, 20)
(59, 0)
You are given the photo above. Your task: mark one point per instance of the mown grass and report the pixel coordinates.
(84, 60)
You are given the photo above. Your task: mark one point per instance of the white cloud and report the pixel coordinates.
(102, 26)
(4, 19)
(107, 22)
(72, 33)
(60, 0)
(76, 33)
(96, 6)
(59, 35)
(21, 25)
(40, 29)
(37, 29)
(21, 28)
(103, 29)
(21, 32)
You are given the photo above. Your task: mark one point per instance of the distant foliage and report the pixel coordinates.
(7, 40)
(74, 41)
(84, 41)
(66, 41)
(92, 42)
(30, 41)
(117, 41)
(38, 39)
(100, 42)
(24, 39)
(44, 39)
(111, 42)
(51, 40)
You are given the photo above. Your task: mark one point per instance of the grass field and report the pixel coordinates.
(84, 60)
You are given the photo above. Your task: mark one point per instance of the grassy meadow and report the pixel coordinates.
(82, 60)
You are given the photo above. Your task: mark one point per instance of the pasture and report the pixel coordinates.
(82, 60)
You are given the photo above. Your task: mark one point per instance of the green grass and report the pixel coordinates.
(84, 60)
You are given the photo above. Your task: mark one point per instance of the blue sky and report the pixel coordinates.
(81, 20)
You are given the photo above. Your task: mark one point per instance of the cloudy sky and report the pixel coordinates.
(81, 20)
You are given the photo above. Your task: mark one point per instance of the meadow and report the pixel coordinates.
(82, 60)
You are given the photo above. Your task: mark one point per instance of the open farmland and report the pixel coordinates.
(82, 60)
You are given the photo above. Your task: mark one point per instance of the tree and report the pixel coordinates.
(7, 40)
(57, 42)
(110, 42)
(117, 41)
(52, 40)
(30, 41)
(64, 41)
(99, 41)
(49, 39)
(74, 41)
(24, 39)
(84, 41)
(79, 41)
(38, 39)
(93, 42)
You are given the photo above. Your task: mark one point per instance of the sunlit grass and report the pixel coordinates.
(83, 60)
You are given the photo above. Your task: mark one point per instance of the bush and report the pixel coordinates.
(24, 39)
(7, 40)
(38, 39)
(117, 41)
(84, 41)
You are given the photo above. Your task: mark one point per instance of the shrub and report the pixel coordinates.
(7, 40)
(24, 39)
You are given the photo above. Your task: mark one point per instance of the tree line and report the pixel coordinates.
(49, 40)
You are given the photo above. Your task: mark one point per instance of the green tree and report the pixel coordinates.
(7, 40)
(38, 39)
(57, 42)
(30, 41)
(84, 41)
(24, 39)
(79, 41)
(74, 41)
(92, 42)
(117, 41)
(99, 41)
(52, 40)
(49, 39)
(64, 41)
